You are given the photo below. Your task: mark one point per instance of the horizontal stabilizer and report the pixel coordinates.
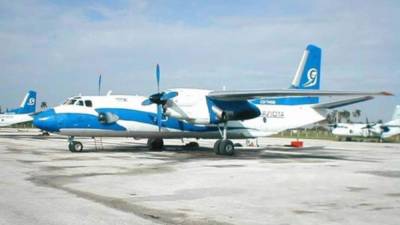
(340, 103)
(251, 94)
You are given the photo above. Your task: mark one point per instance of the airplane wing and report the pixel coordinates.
(340, 103)
(251, 94)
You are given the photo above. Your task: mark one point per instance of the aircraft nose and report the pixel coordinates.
(46, 120)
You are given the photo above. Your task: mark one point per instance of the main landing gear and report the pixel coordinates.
(224, 146)
(156, 144)
(74, 146)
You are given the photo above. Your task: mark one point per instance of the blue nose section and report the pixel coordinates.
(46, 120)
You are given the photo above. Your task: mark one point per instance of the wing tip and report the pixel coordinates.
(387, 93)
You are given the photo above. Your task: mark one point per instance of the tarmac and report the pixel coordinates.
(119, 181)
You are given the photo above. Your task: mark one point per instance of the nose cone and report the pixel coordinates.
(46, 120)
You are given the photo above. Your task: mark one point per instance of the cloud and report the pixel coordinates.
(60, 47)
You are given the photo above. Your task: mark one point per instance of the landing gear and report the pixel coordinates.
(74, 146)
(216, 146)
(224, 146)
(155, 144)
(192, 145)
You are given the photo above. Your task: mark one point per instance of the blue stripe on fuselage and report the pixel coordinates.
(151, 118)
(84, 121)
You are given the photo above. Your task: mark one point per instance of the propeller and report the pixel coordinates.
(369, 126)
(160, 99)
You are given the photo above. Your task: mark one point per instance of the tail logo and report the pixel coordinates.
(31, 101)
(312, 76)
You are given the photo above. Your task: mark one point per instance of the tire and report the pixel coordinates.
(75, 146)
(216, 146)
(238, 145)
(71, 147)
(226, 148)
(192, 145)
(156, 144)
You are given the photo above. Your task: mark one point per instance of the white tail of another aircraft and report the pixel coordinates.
(396, 114)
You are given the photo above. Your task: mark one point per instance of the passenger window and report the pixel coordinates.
(88, 103)
(80, 102)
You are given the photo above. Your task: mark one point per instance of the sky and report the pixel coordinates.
(60, 47)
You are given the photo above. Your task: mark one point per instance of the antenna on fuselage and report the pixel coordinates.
(99, 88)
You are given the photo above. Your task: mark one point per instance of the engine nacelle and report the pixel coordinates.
(222, 111)
(190, 105)
(195, 106)
(182, 115)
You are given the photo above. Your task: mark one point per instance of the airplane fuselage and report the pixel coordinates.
(10, 119)
(187, 116)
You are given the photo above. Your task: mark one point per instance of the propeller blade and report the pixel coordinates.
(158, 77)
(147, 102)
(159, 117)
(169, 95)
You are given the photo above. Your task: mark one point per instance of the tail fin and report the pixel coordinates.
(308, 74)
(28, 104)
(396, 114)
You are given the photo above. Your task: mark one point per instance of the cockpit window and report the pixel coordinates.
(70, 102)
(88, 103)
(80, 102)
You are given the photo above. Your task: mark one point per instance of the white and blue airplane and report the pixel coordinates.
(22, 114)
(199, 113)
(369, 130)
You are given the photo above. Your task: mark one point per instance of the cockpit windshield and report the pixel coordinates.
(70, 102)
(79, 102)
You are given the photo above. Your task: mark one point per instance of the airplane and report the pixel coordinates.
(369, 130)
(196, 113)
(21, 114)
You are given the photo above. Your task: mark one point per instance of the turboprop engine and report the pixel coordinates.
(195, 106)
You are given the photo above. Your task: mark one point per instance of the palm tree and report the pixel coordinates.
(331, 117)
(356, 113)
(346, 115)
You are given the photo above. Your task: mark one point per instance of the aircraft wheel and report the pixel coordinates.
(238, 145)
(192, 145)
(226, 147)
(216, 146)
(155, 144)
(75, 146)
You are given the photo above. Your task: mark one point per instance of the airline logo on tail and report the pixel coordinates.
(312, 76)
(31, 101)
